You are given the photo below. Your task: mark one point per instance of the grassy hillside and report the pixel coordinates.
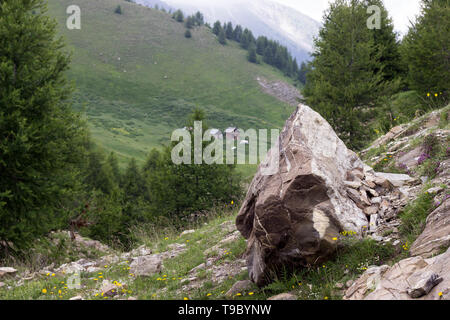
(138, 77)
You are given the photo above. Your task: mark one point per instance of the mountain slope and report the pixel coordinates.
(264, 17)
(138, 77)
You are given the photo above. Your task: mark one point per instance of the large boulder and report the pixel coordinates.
(292, 216)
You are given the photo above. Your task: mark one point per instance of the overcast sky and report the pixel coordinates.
(400, 10)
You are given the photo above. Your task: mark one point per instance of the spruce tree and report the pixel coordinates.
(222, 37)
(261, 44)
(190, 22)
(425, 50)
(133, 181)
(229, 31)
(114, 164)
(199, 19)
(42, 141)
(344, 76)
(178, 16)
(216, 28)
(252, 57)
(237, 33)
(388, 45)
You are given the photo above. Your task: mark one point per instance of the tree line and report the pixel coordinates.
(259, 49)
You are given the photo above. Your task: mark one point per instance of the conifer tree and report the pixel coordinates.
(42, 141)
(344, 76)
(133, 182)
(222, 37)
(216, 28)
(237, 33)
(252, 57)
(425, 50)
(229, 31)
(261, 44)
(388, 45)
(114, 164)
(200, 20)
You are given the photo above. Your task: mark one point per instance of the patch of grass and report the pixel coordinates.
(374, 152)
(319, 282)
(443, 119)
(414, 216)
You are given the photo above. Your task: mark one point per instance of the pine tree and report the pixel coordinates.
(100, 174)
(237, 33)
(216, 28)
(261, 44)
(178, 16)
(344, 76)
(246, 39)
(388, 46)
(229, 31)
(302, 73)
(114, 164)
(42, 141)
(425, 50)
(190, 22)
(199, 18)
(252, 57)
(118, 10)
(188, 34)
(222, 37)
(268, 55)
(133, 181)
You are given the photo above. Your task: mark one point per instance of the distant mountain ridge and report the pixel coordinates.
(290, 27)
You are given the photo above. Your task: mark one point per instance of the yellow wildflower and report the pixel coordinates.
(44, 290)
